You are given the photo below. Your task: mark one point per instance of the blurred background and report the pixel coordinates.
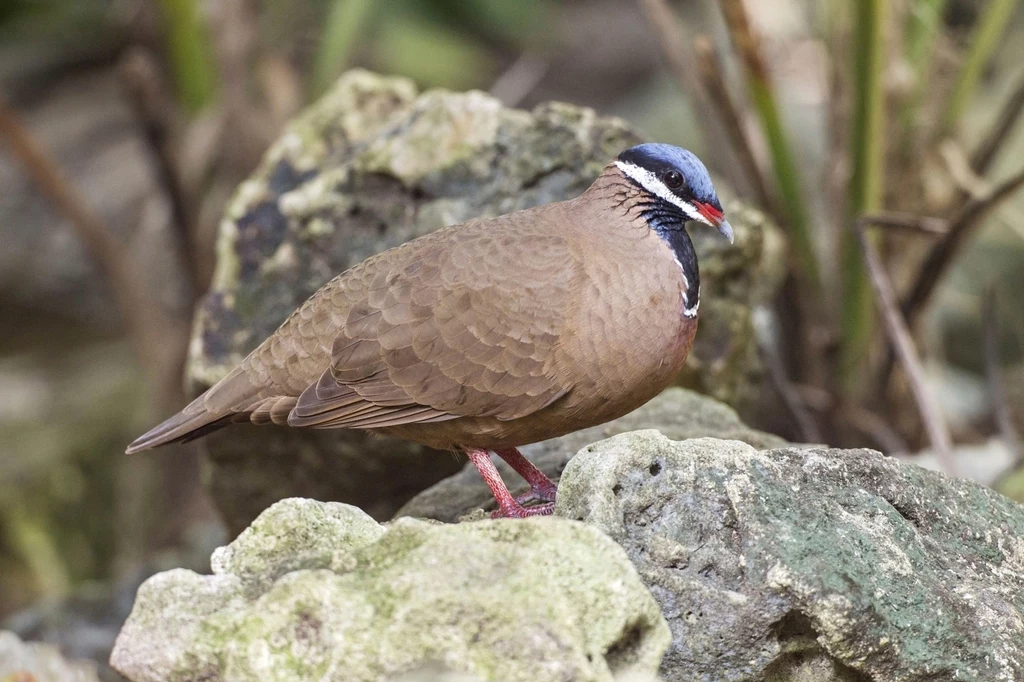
(125, 125)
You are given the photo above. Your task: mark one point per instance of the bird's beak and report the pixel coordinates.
(713, 217)
(725, 229)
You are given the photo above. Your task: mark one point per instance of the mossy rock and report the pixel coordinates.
(319, 591)
(810, 564)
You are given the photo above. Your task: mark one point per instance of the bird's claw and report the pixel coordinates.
(518, 511)
(538, 494)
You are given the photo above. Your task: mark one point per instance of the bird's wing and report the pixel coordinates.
(466, 323)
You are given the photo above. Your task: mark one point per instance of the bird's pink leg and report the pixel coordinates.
(541, 487)
(507, 506)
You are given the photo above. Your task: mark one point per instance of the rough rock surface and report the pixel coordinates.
(372, 165)
(33, 662)
(806, 564)
(320, 591)
(677, 413)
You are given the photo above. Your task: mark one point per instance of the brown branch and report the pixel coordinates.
(989, 148)
(866, 421)
(908, 221)
(747, 43)
(675, 49)
(520, 79)
(899, 335)
(791, 398)
(154, 109)
(147, 327)
(712, 76)
(993, 371)
(941, 255)
(674, 45)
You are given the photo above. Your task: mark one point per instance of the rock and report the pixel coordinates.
(319, 591)
(374, 164)
(32, 662)
(831, 565)
(677, 413)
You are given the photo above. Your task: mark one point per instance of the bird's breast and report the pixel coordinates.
(631, 334)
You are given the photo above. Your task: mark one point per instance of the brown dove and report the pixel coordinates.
(494, 333)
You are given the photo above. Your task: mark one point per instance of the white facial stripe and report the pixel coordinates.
(652, 184)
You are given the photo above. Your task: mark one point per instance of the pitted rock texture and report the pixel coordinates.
(374, 164)
(677, 413)
(320, 591)
(787, 564)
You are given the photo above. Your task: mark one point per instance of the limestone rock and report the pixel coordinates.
(816, 564)
(319, 591)
(677, 413)
(374, 164)
(33, 662)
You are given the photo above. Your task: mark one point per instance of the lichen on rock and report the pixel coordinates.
(319, 591)
(843, 564)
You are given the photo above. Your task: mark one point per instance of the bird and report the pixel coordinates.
(493, 333)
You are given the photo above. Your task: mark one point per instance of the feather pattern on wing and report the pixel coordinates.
(459, 323)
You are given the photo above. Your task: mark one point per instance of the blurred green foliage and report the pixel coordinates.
(191, 53)
(867, 151)
(986, 38)
(435, 42)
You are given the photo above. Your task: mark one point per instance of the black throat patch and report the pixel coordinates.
(670, 224)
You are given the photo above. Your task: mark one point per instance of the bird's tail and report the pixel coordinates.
(223, 404)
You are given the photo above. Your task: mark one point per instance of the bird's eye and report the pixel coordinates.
(673, 179)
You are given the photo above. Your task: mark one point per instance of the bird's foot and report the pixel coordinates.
(543, 492)
(516, 510)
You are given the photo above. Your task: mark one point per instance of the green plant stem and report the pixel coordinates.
(788, 179)
(984, 42)
(344, 20)
(867, 149)
(787, 176)
(35, 547)
(191, 54)
(923, 29)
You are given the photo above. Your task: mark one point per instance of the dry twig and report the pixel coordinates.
(941, 255)
(791, 398)
(673, 45)
(908, 221)
(520, 79)
(899, 335)
(147, 327)
(154, 109)
(712, 76)
(990, 147)
(675, 48)
(864, 420)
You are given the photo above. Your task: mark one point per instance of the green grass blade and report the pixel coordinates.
(924, 24)
(867, 147)
(345, 19)
(195, 73)
(783, 162)
(984, 42)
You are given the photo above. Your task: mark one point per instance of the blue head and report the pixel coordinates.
(678, 180)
